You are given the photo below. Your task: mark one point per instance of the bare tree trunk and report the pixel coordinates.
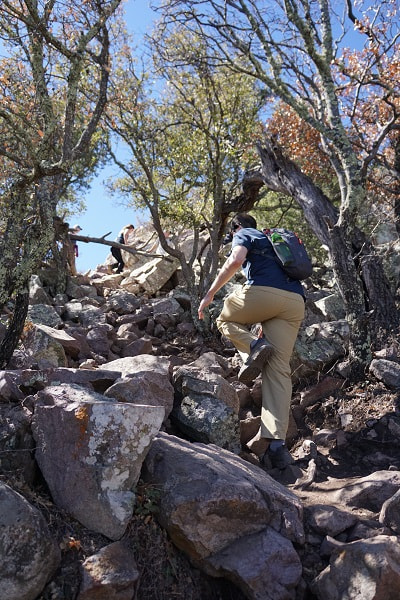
(22, 250)
(369, 301)
(397, 184)
(252, 182)
(14, 329)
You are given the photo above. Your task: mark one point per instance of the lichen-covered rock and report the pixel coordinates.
(90, 450)
(208, 407)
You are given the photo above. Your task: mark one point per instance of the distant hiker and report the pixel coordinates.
(72, 250)
(122, 238)
(276, 301)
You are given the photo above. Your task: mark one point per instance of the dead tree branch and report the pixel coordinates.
(86, 239)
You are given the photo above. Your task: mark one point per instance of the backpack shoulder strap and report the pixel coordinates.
(267, 250)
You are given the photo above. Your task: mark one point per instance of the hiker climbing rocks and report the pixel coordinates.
(122, 238)
(276, 301)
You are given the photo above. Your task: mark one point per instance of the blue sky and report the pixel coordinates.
(104, 213)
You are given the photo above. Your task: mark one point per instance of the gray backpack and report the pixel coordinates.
(290, 252)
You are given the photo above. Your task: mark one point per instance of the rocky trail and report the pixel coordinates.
(124, 471)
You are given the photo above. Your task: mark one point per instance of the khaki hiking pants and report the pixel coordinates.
(280, 314)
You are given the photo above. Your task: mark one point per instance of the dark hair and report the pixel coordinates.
(243, 220)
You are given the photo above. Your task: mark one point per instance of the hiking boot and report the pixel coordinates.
(258, 357)
(279, 458)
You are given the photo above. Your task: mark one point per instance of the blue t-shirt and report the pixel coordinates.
(263, 269)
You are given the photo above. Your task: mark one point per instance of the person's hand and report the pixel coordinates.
(208, 298)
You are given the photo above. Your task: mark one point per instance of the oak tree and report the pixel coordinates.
(54, 77)
(304, 53)
(187, 131)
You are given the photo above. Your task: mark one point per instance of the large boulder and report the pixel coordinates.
(150, 277)
(318, 346)
(90, 450)
(230, 517)
(149, 388)
(29, 555)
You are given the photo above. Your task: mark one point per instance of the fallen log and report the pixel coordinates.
(101, 240)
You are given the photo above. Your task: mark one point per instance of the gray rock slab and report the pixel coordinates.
(208, 407)
(332, 307)
(367, 492)
(150, 387)
(329, 520)
(151, 276)
(44, 314)
(208, 419)
(210, 361)
(196, 382)
(44, 350)
(122, 302)
(68, 342)
(132, 365)
(386, 371)
(99, 379)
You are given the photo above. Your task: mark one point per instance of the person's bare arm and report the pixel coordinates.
(231, 265)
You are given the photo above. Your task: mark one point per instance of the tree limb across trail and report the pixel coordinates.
(102, 240)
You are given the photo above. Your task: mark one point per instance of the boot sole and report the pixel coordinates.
(248, 373)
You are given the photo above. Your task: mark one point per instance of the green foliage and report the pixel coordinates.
(188, 134)
(190, 138)
(147, 500)
(53, 90)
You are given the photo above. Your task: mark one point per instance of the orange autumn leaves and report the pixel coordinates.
(300, 142)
